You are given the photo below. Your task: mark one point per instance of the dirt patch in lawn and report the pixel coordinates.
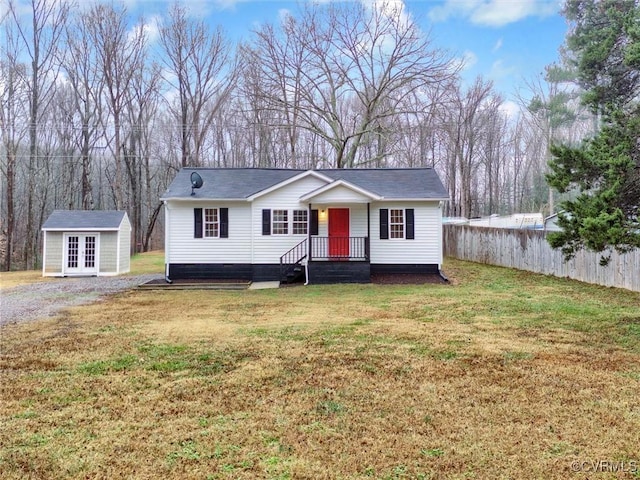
(407, 279)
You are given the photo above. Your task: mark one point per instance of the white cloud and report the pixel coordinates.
(201, 9)
(452, 8)
(469, 59)
(395, 10)
(494, 13)
(497, 46)
(283, 14)
(499, 71)
(510, 109)
(151, 28)
(224, 4)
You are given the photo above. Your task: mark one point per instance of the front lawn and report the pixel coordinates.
(503, 374)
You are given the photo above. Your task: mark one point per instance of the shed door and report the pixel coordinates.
(81, 251)
(339, 232)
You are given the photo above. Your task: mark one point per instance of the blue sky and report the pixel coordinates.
(507, 41)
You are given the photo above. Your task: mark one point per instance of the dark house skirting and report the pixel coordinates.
(319, 272)
(339, 272)
(224, 271)
(219, 271)
(405, 268)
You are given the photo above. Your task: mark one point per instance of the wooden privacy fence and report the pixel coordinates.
(529, 250)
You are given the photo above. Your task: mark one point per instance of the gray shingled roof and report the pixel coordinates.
(227, 183)
(241, 183)
(393, 183)
(84, 219)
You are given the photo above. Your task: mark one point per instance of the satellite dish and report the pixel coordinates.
(196, 182)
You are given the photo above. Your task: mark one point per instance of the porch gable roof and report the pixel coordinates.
(304, 174)
(318, 193)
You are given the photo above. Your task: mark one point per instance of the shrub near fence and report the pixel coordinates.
(529, 250)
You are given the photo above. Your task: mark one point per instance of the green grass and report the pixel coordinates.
(148, 262)
(500, 373)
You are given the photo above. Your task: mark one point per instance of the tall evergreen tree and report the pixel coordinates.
(604, 41)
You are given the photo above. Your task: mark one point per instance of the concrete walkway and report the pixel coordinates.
(263, 285)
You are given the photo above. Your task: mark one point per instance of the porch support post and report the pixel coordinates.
(309, 234)
(367, 241)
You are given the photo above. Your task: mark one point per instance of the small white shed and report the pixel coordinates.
(86, 243)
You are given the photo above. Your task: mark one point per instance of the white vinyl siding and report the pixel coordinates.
(182, 247)
(340, 194)
(108, 252)
(267, 249)
(54, 253)
(425, 248)
(124, 244)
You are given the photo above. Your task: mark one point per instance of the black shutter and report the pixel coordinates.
(314, 222)
(197, 223)
(224, 223)
(266, 222)
(409, 224)
(384, 224)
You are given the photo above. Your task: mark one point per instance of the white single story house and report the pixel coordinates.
(328, 226)
(86, 243)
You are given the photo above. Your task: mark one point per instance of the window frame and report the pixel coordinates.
(408, 226)
(213, 223)
(217, 224)
(300, 224)
(279, 225)
(398, 224)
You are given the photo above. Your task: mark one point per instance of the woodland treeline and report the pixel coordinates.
(98, 110)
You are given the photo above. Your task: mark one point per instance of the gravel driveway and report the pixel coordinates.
(44, 299)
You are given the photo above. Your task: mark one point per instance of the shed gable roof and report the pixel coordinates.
(246, 183)
(84, 220)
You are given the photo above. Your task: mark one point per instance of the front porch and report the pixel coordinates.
(338, 249)
(332, 259)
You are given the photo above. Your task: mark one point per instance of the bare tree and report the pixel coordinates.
(493, 151)
(13, 107)
(463, 122)
(555, 113)
(120, 52)
(142, 105)
(202, 73)
(351, 71)
(41, 40)
(83, 73)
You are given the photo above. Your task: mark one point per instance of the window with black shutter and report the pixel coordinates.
(397, 223)
(266, 222)
(197, 223)
(384, 224)
(314, 227)
(224, 223)
(211, 223)
(409, 224)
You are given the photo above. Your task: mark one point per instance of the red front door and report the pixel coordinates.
(339, 232)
